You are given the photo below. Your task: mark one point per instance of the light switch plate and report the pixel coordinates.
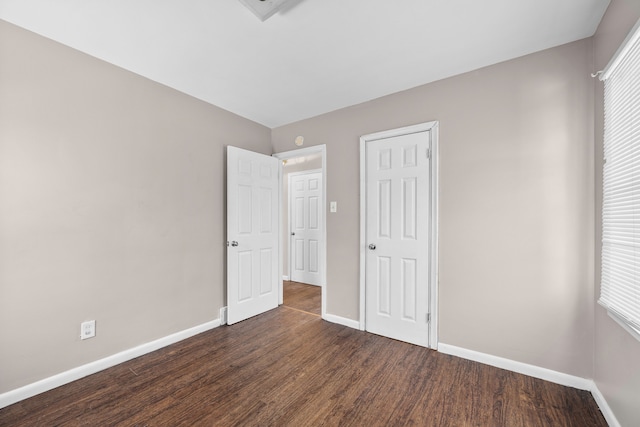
(333, 207)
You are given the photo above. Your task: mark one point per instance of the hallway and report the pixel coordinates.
(302, 297)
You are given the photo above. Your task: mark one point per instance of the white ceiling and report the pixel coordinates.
(312, 57)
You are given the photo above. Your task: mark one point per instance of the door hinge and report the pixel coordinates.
(428, 153)
(428, 317)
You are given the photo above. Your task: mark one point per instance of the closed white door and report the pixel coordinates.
(306, 210)
(397, 237)
(252, 234)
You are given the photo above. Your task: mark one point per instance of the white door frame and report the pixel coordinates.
(432, 127)
(289, 212)
(316, 149)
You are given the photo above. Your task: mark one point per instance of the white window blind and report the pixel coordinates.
(620, 287)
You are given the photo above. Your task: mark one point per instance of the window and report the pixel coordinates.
(620, 288)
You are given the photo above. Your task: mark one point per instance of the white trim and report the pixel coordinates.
(30, 390)
(363, 232)
(341, 321)
(536, 372)
(625, 46)
(280, 240)
(322, 149)
(519, 367)
(604, 407)
(626, 325)
(407, 130)
(285, 278)
(304, 172)
(434, 245)
(432, 128)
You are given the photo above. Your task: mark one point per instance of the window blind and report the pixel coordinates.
(620, 286)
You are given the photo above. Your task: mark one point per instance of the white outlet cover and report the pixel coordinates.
(87, 329)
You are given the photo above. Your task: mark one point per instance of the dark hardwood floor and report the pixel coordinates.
(302, 296)
(290, 368)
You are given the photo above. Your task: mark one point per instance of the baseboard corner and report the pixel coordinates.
(341, 320)
(607, 413)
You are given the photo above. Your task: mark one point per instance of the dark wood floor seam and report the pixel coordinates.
(301, 311)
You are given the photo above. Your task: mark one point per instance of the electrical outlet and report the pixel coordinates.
(87, 329)
(223, 316)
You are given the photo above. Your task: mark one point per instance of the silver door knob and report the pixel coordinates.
(293, 233)
(372, 246)
(234, 243)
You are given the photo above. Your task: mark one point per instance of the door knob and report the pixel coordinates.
(234, 243)
(293, 233)
(372, 246)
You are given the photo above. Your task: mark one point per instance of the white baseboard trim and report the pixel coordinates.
(604, 407)
(536, 372)
(30, 390)
(341, 320)
(519, 367)
(285, 278)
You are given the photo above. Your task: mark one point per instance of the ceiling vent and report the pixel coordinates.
(263, 9)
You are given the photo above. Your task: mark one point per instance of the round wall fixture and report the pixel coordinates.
(299, 140)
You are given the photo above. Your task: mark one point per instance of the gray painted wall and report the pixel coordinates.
(516, 203)
(112, 207)
(616, 352)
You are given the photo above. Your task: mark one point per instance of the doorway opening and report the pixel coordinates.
(304, 205)
(303, 240)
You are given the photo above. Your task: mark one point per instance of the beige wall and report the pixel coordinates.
(616, 352)
(516, 203)
(112, 201)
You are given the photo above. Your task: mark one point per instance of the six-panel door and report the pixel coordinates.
(397, 237)
(252, 234)
(305, 198)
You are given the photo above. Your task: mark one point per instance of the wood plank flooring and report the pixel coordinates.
(289, 368)
(302, 296)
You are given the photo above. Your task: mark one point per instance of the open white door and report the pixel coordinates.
(252, 234)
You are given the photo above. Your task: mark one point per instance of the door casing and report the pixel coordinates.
(316, 149)
(432, 128)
